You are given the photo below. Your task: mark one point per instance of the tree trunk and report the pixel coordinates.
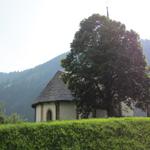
(110, 111)
(94, 113)
(114, 110)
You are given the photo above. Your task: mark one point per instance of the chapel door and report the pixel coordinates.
(49, 115)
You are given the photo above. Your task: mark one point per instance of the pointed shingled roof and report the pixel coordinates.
(56, 90)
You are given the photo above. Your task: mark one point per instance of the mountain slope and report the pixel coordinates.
(146, 47)
(19, 89)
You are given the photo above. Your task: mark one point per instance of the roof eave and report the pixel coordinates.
(41, 102)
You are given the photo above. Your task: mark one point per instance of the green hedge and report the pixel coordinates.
(93, 134)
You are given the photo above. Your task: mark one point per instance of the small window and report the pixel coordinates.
(49, 115)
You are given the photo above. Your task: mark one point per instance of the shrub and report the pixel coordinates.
(13, 118)
(92, 134)
(1, 119)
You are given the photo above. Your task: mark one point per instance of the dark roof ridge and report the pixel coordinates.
(55, 90)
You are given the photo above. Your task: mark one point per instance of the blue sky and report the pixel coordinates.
(34, 31)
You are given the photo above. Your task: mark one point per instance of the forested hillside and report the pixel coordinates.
(19, 89)
(146, 46)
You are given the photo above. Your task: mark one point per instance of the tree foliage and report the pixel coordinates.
(13, 118)
(2, 116)
(106, 66)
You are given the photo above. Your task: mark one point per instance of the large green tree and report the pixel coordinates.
(106, 66)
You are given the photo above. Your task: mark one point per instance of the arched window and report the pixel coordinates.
(49, 115)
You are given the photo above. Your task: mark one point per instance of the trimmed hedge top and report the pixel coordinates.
(89, 134)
